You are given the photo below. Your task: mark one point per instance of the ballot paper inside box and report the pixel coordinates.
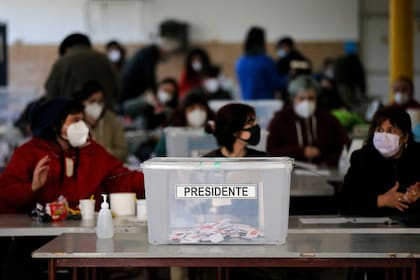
(217, 200)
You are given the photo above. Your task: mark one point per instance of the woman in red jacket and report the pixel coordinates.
(61, 159)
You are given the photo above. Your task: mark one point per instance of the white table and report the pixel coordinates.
(300, 250)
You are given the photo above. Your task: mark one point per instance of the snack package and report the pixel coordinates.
(57, 209)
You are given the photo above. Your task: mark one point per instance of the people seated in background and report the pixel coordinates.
(303, 131)
(256, 71)
(191, 77)
(235, 127)
(210, 85)
(194, 113)
(328, 99)
(59, 160)
(383, 178)
(105, 126)
(403, 89)
(116, 53)
(78, 63)
(151, 111)
(287, 52)
(327, 70)
(154, 111)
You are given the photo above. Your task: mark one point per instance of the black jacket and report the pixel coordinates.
(371, 174)
(249, 153)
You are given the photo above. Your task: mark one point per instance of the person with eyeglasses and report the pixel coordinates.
(303, 131)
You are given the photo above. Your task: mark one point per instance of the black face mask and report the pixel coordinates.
(255, 132)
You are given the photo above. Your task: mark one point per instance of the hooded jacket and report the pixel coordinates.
(289, 134)
(97, 172)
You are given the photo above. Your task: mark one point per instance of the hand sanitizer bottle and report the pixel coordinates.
(104, 225)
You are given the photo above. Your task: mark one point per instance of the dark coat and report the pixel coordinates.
(371, 174)
(139, 72)
(326, 133)
(249, 153)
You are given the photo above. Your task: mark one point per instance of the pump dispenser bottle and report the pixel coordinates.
(104, 225)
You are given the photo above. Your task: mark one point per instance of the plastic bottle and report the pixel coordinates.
(104, 225)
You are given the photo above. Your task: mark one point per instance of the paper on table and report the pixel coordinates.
(323, 220)
(342, 220)
(312, 172)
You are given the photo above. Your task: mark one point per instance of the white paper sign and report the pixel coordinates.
(238, 191)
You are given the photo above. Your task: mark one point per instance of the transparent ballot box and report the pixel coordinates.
(188, 142)
(217, 200)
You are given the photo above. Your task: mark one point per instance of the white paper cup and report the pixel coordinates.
(87, 208)
(141, 210)
(123, 204)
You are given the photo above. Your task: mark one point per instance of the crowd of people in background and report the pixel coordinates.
(92, 97)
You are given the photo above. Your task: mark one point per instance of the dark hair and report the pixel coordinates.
(179, 119)
(73, 40)
(255, 41)
(89, 87)
(47, 118)
(396, 116)
(121, 48)
(174, 101)
(230, 119)
(286, 41)
(205, 59)
(212, 71)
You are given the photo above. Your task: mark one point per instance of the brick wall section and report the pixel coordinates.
(29, 65)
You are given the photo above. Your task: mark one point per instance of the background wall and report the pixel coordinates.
(319, 26)
(136, 21)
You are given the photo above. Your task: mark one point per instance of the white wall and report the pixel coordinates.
(48, 21)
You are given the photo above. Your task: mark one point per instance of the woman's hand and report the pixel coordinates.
(413, 193)
(311, 152)
(41, 173)
(393, 199)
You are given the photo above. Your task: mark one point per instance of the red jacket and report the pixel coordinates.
(289, 134)
(98, 172)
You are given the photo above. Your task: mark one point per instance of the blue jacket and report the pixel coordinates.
(258, 77)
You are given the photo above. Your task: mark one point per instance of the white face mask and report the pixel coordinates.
(211, 85)
(94, 110)
(305, 108)
(401, 98)
(196, 118)
(114, 55)
(387, 144)
(196, 65)
(163, 96)
(77, 134)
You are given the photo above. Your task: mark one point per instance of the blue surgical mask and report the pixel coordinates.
(281, 53)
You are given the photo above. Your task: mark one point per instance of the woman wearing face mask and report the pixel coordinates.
(104, 125)
(403, 89)
(211, 86)
(116, 54)
(60, 159)
(383, 178)
(194, 113)
(196, 61)
(304, 132)
(235, 129)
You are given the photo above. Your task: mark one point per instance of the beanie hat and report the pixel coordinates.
(45, 115)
